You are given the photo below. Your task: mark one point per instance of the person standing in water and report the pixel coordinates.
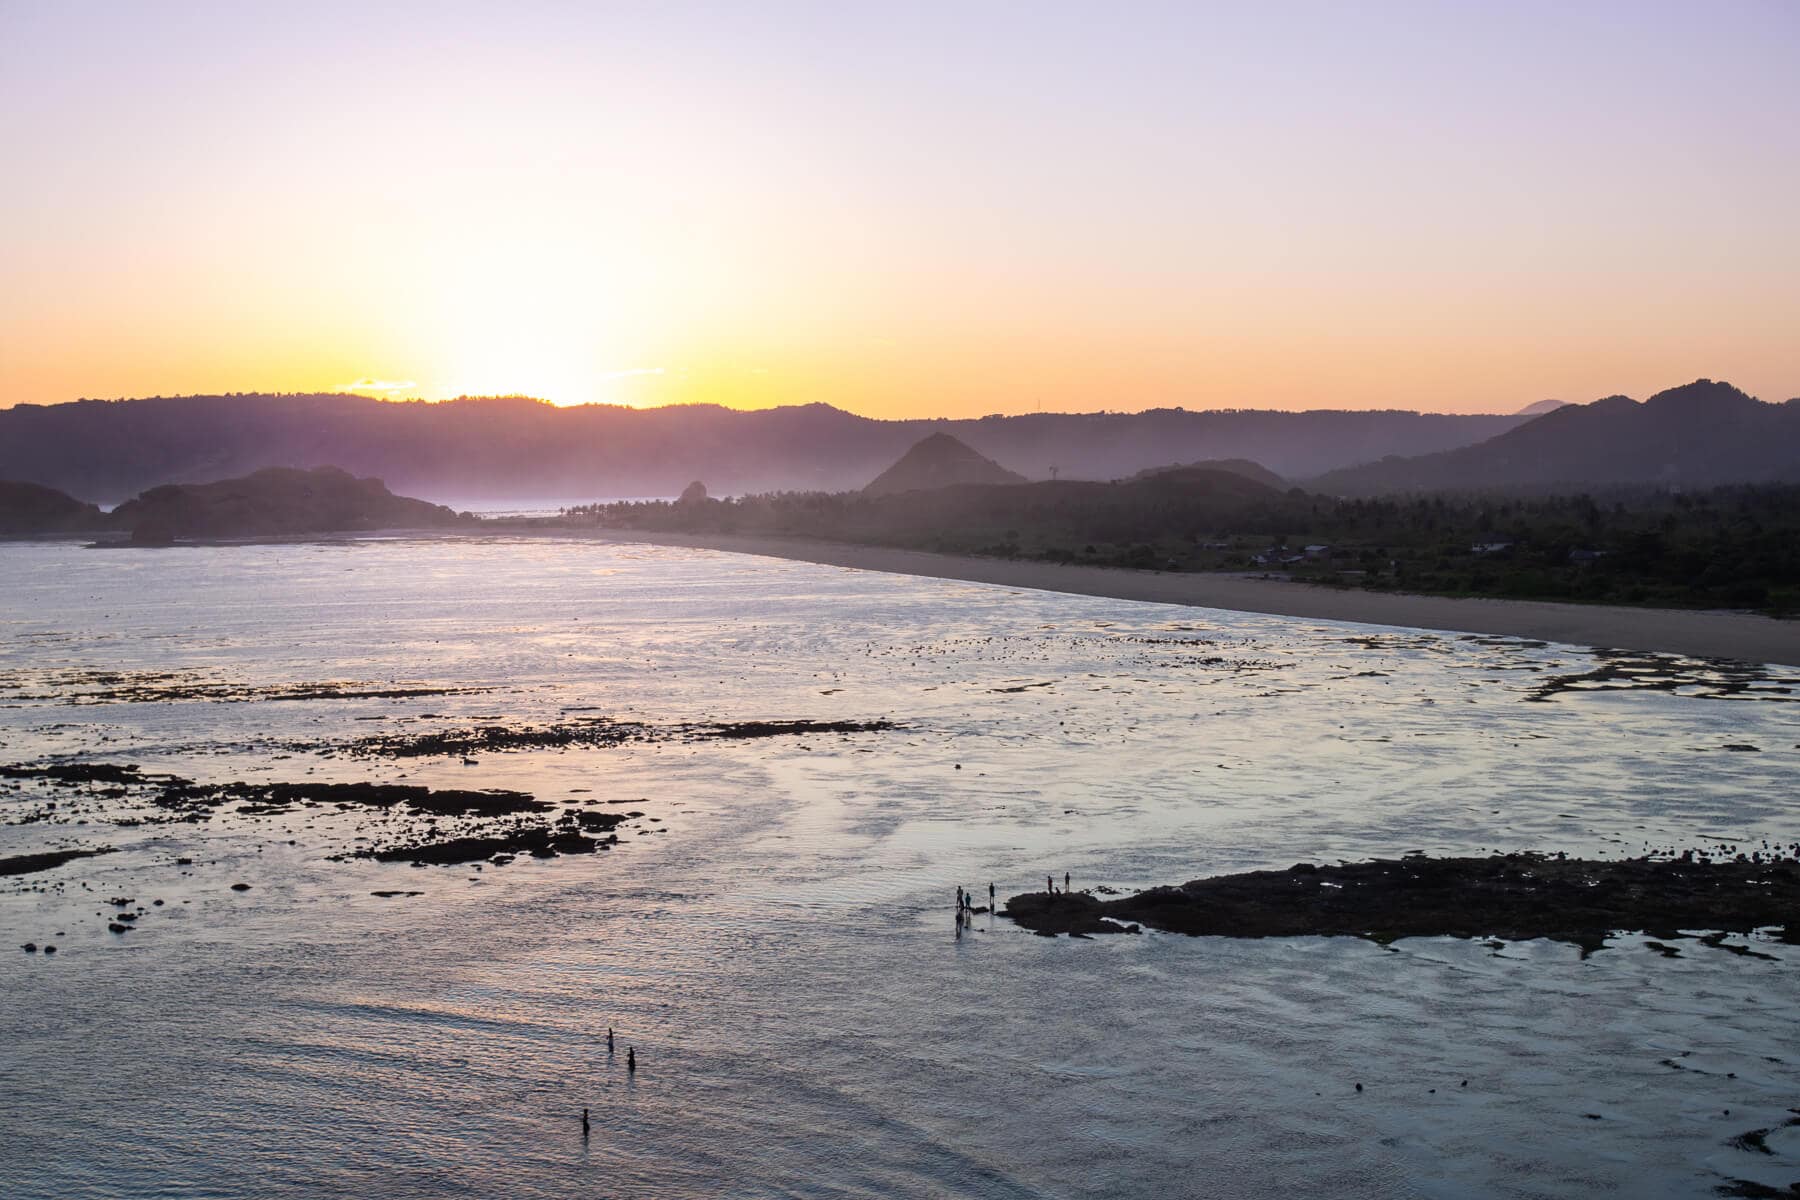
(990, 894)
(631, 1061)
(1065, 881)
(959, 898)
(584, 1125)
(609, 1039)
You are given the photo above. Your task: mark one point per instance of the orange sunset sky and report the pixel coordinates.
(903, 210)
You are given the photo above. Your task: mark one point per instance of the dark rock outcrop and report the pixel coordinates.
(26, 864)
(1510, 896)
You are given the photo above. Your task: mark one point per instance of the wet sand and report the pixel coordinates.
(1736, 635)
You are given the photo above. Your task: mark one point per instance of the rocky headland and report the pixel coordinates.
(27, 508)
(276, 501)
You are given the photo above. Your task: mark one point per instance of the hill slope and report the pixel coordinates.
(28, 508)
(1241, 467)
(1698, 435)
(939, 461)
(272, 502)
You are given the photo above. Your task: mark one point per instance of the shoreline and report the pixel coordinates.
(1703, 634)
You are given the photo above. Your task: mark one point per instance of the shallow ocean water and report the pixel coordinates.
(778, 942)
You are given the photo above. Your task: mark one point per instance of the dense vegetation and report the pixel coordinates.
(1730, 547)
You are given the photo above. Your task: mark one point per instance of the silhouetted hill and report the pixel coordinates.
(1237, 466)
(505, 449)
(1702, 434)
(939, 461)
(1541, 407)
(29, 508)
(272, 502)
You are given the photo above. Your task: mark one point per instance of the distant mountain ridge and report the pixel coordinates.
(1698, 435)
(936, 461)
(516, 448)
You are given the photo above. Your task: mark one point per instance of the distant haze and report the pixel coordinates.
(509, 453)
(908, 210)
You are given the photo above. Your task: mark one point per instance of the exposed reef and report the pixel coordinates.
(1513, 897)
(588, 732)
(1678, 674)
(539, 841)
(83, 687)
(398, 822)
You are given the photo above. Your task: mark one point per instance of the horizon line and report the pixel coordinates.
(710, 404)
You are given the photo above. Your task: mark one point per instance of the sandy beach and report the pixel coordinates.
(1745, 636)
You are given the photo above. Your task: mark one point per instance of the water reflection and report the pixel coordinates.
(778, 957)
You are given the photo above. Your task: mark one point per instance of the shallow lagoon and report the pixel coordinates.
(778, 943)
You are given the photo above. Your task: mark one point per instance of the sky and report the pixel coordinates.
(901, 209)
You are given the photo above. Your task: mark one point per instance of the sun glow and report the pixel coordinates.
(632, 190)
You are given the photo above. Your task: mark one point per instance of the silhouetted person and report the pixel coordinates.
(990, 895)
(631, 1060)
(1065, 881)
(609, 1039)
(1050, 885)
(584, 1124)
(959, 898)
